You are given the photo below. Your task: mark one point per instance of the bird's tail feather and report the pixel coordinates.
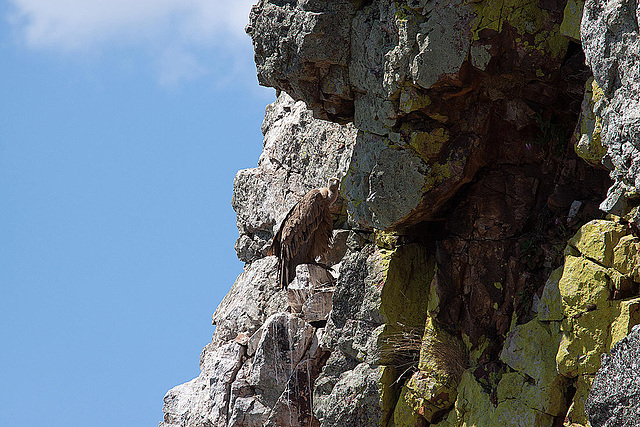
(284, 274)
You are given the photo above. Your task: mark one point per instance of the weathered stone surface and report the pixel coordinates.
(302, 47)
(597, 239)
(253, 297)
(512, 413)
(570, 26)
(351, 335)
(318, 306)
(311, 291)
(372, 38)
(584, 286)
(614, 399)
(380, 291)
(278, 377)
(337, 250)
(284, 340)
(403, 343)
(626, 257)
(474, 408)
(275, 384)
(383, 184)
(611, 43)
(356, 305)
(300, 153)
(593, 321)
(423, 395)
(598, 271)
(583, 341)
(550, 305)
(443, 43)
(408, 272)
(587, 138)
(347, 397)
(432, 390)
(627, 316)
(530, 349)
(486, 227)
(416, 100)
(205, 399)
(576, 415)
(461, 112)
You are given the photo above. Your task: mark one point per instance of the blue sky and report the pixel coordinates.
(122, 125)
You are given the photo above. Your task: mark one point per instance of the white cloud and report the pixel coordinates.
(79, 24)
(174, 33)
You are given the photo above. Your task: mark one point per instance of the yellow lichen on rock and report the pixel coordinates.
(570, 26)
(601, 263)
(439, 172)
(385, 240)
(596, 240)
(578, 320)
(527, 18)
(524, 16)
(588, 143)
(626, 257)
(432, 389)
(405, 290)
(473, 406)
(628, 316)
(530, 350)
(405, 278)
(550, 305)
(576, 416)
(584, 339)
(424, 395)
(428, 145)
(584, 284)
(412, 100)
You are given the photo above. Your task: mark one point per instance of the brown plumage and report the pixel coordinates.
(306, 232)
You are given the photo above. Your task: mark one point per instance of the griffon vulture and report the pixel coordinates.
(306, 232)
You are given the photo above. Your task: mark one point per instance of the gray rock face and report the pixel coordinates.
(284, 339)
(611, 43)
(384, 184)
(261, 365)
(428, 118)
(614, 400)
(443, 42)
(349, 63)
(300, 153)
(352, 334)
(203, 401)
(355, 315)
(274, 383)
(441, 94)
(302, 47)
(310, 292)
(348, 395)
(253, 297)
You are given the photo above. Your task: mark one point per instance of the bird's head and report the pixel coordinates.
(333, 184)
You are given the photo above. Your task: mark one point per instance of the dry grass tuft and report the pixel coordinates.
(442, 353)
(401, 349)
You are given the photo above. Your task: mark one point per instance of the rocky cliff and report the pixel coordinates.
(485, 249)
